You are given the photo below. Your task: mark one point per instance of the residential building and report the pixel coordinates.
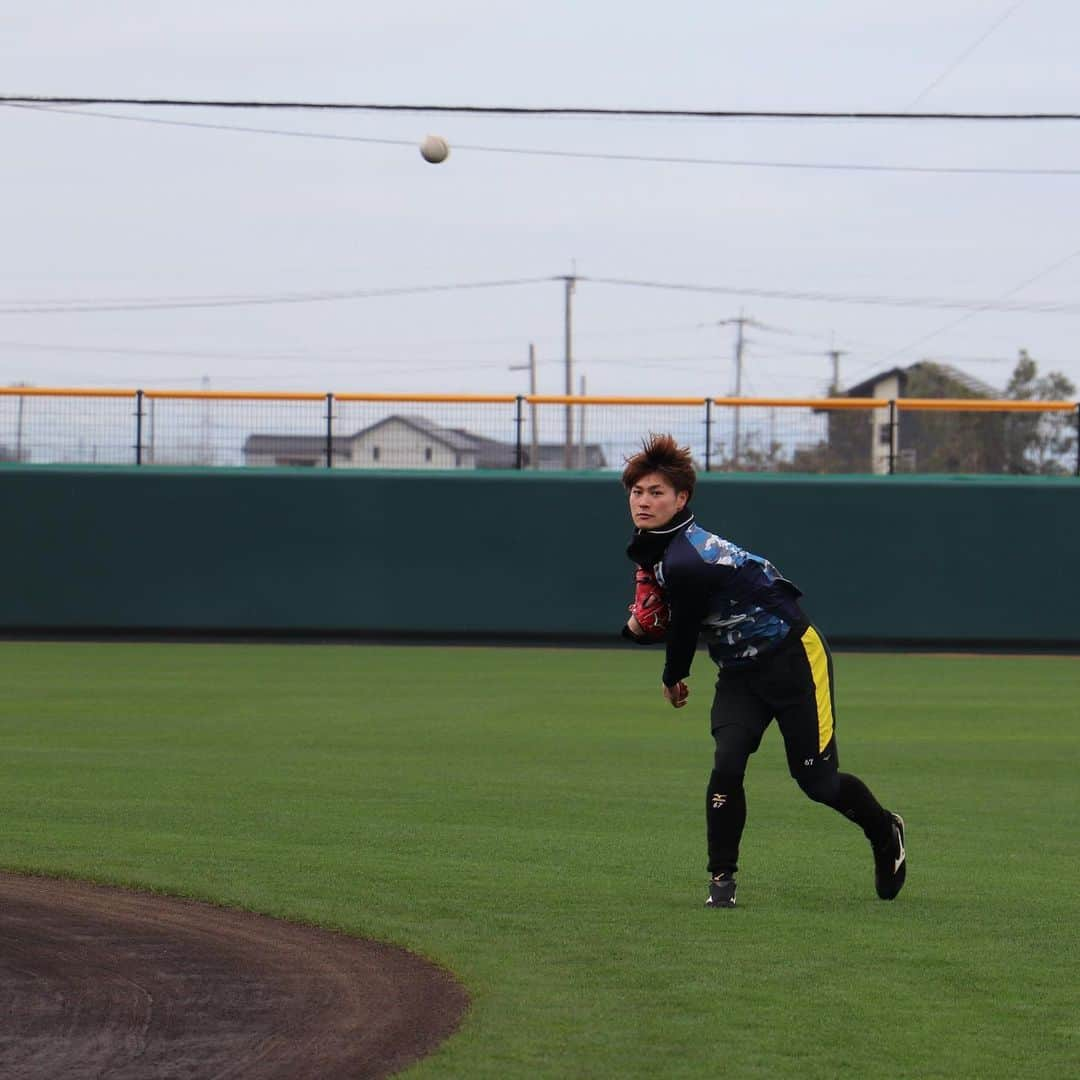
(410, 442)
(864, 440)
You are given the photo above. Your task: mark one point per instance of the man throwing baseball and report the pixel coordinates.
(773, 664)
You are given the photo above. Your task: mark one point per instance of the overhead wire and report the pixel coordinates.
(1056, 265)
(660, 159)
(171, 303)
(148, 351)
(964, 55)
(78, 306)
(539, 110)
(1042, 308)
(971, 308)
(350, 354)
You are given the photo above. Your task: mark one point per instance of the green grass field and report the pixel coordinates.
(533, 819)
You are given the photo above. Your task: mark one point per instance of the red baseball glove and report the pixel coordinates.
(649, 609)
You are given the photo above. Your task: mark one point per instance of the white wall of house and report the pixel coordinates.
(394, 445)
(889, 389)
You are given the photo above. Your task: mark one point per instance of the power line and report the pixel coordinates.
(538, 110)
(53, 307)
(936, 358)
(986, 307)
(1044, 308)
(972, 359)
(359, 353)
(168, 304)
(148, 352)
(964, 55)
(772, 354)
(660, 159)
(243, 129)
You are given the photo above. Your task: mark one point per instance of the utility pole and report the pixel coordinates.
(740, 324)
(568, 456)
(19, 423)
(534, 457)
(834, 386)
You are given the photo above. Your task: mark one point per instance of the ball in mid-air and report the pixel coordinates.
(434, 149)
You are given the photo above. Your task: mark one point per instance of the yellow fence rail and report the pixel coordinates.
(533, 431)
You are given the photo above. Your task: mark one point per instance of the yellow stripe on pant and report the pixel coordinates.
(814, 648)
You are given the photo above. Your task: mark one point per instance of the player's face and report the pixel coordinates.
(654, 502)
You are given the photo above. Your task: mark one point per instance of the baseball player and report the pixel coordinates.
(773, 664)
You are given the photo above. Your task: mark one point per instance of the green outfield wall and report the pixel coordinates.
(505, 555)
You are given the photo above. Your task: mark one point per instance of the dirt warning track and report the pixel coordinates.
(105, 983)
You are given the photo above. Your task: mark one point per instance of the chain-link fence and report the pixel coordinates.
(91, 428)
(402, 431)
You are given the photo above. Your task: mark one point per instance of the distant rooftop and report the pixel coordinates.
(947, 372)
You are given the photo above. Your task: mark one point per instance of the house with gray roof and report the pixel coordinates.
(407, 442)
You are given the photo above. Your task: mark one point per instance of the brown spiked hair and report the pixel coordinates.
(662, 454)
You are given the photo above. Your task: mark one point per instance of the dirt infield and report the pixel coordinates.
(100, 982)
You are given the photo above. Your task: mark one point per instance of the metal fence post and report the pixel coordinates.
(893, 435)
(708, 434)
(519, 421)
(138, 426)
(329, 431)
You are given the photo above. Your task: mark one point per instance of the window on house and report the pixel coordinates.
(374, 453)
(427, 453)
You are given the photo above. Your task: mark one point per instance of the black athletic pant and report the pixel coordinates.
(794, 684)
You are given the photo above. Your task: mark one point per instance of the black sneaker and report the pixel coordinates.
(890, 861)
(721, 891)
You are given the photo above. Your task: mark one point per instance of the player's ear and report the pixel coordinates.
(681, 498)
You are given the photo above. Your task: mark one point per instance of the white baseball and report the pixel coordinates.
(434, 149)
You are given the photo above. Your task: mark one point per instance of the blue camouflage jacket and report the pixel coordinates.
(738, 602)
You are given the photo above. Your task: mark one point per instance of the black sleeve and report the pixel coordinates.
(688, 591)
(681, 639)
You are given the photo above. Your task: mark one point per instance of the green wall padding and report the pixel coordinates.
(230, 550)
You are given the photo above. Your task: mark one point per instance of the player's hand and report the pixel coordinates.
(677, 694)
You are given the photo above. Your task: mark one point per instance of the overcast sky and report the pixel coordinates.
(110, 209)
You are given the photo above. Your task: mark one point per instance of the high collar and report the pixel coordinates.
(647, 546)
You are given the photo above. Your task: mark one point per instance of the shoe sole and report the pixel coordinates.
(712, 902)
